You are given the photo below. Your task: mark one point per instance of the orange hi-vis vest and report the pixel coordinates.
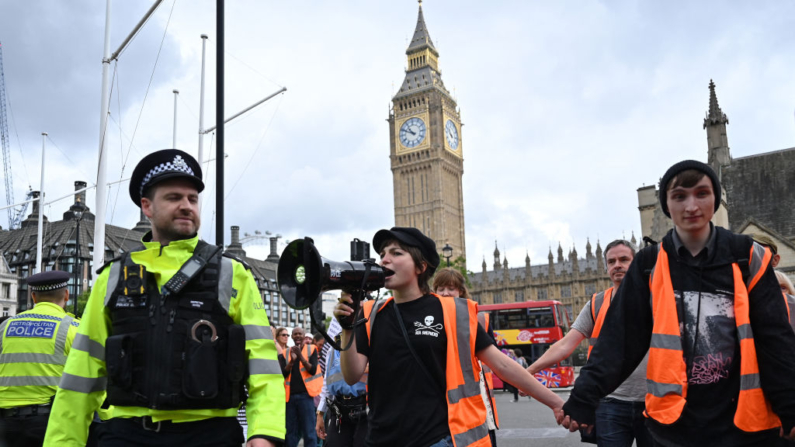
(599, 304)
(314, 384)
(667, 372)
(466, 412)
(483, 319)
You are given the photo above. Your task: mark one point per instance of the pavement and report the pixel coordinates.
(528, 423)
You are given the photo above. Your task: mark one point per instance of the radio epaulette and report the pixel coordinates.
(231, 256)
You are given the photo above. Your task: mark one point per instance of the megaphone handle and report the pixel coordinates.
(356, 296)
(328, 338)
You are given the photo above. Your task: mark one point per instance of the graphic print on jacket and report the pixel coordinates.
(716, 335)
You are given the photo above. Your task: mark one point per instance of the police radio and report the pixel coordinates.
(303, 275)
(185, 274)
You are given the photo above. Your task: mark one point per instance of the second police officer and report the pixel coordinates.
(33, 349)
(173, 331)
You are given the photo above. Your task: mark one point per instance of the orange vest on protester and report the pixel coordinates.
(483, 319)
(314, 384)
(599, 304)
(667, 373)
(466, 412)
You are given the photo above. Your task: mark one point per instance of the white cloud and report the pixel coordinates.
(568, 107)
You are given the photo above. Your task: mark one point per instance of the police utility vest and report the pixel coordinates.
(174, 351)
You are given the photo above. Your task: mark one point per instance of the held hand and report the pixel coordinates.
(320, 427)
(293, 355)
(790, 436)
(259, 442)
(559, 414)
(570, 423)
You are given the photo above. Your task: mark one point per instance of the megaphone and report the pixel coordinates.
(303, 275)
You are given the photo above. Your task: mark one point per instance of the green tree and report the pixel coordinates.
(459, 264)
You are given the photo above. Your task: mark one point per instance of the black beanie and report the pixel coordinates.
(674, 170)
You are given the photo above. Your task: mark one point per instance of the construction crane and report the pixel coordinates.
(14, 215)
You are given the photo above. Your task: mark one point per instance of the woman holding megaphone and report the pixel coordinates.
(423, 385)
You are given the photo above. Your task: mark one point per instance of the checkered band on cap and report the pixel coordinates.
(177, 165)
(48, 287)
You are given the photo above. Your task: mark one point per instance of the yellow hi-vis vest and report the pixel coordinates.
(33, 350)
(667, 373)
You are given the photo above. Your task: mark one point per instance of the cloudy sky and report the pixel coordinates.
(568, 106)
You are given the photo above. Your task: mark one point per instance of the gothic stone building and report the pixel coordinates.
(67, 244)
(426, 148)
(758, 194)
(571, 280)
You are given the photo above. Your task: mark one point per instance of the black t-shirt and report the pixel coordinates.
(297, 385)
(406, 407)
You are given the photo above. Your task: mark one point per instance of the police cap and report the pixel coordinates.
(164, 165)
(48, 281)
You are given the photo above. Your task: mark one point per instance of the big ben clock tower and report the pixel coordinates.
(426, 148)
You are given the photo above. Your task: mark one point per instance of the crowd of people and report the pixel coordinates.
(692, 345)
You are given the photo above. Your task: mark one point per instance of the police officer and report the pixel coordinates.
(33, 350)
(173, 331)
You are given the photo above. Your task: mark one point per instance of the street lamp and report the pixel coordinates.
(447, 251)
(78, 213)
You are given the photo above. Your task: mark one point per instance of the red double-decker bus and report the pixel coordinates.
(532, 327)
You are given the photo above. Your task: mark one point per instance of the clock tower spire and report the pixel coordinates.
(426, 154)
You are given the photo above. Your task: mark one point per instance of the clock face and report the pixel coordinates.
(451, 133)
(412, 132)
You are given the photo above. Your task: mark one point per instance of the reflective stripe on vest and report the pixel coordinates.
(484, 320)
(667, 372)
(313, 383)
(466, 412)
(600, 302)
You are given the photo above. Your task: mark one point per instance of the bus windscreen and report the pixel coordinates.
(525, 318)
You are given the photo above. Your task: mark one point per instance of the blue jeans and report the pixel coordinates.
(301, 420)
(618, 422)
(446, 442)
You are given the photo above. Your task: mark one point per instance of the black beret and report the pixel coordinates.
(682, 166)
(163, 165)
(48, 281)
(411, 237)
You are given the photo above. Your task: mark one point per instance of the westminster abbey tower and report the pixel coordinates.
(426, 148)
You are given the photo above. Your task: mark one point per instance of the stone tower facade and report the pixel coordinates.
(425, 148)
